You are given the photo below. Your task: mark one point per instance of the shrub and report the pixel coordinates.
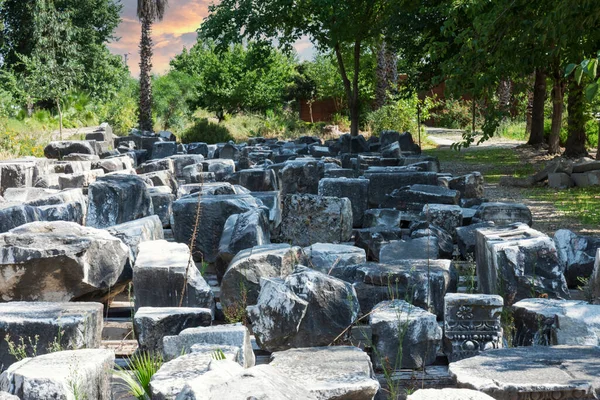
(400, 115)
(206, 131)
(453, 114)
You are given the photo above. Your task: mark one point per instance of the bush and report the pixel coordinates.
(453, 114)
(400, 115)
(206, 131)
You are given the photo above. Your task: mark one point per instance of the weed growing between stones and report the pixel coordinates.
(20, 349)
(218, 355)
(74, 382)
(585, 287)
(237, 311)
(142, 367)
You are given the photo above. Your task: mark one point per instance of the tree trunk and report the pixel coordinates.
(575, 146)
(529, 111)
(60, 118)
(351, 88)
(558, 89)
(537, 116)
(145, 113)
(382, 76)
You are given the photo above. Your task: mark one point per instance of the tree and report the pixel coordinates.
(148, 12)
(51, 69)
(94, 23)
(172, 94)
(331, 25)
(255, 77)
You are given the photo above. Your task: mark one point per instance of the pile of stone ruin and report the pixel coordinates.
(561, 173)
(345, 260)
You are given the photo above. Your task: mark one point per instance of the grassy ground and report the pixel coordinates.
(577, 209)
(493, 163)
(582, 204)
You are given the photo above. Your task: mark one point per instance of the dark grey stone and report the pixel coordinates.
(115, 199)
(356, 190)
(214, 214)
(307, 309)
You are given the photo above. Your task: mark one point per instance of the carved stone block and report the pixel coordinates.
(471, 324)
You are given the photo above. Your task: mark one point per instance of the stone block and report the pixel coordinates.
(448, 394)
(356, 190)
(470, 186)
(422, 248)
(559, 372)
(383, 183)
(235, 335)
(518, 262)
(152, 324)
(116, 199)
(81, 180)
(215, 212)
(309, 219)
(560, 180)
(576, 254)
(70, 325)
(471, 324)
(447, 217)
(397, 323)
(306, 309)
(163, 150)
(241, 281)
(424, 283)
(551, 322)
(242, 231)
(329, 372)
(53, 376)
(301, 176)
(159, 275)
(58, 150)
(503, 214)
(59, 261)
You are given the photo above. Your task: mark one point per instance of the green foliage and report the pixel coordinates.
(399, 115)
(93, 24)
(206, 131)
(344, 29)
(453, 114)
(143, 366)
(239, 78)
(171, 95)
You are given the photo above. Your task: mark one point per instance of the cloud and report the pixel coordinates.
(176, 31)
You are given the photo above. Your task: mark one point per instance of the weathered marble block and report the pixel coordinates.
(159, 274)
(152, 324)
(357, 190)
(329, 372)
(518, 262)
(397, 323)
(503, 214)
(80, 324)
(309, 219)
(58, 375)
(527, 373)
(551, 322)
(471, 324)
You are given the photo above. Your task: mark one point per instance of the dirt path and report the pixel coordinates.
(546, 216)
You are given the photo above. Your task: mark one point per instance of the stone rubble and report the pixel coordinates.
(310, 243)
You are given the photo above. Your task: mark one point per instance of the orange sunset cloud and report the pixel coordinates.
(176, 31)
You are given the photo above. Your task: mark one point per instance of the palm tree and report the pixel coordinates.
(148, 11)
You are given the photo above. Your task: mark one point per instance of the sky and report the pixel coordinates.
(176, 31)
